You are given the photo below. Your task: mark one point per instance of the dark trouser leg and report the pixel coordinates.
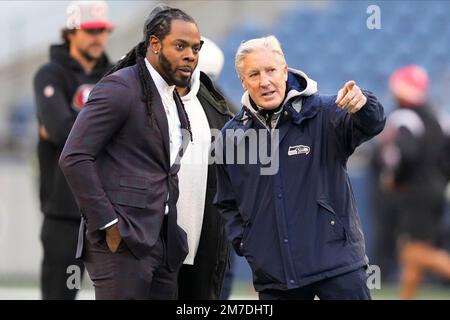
(121, 276)
(164, 285)
(165, 281)
(205, 279)
(348, 286)
(59, 239)
(187, 282)
(201, 280)
(304, 293)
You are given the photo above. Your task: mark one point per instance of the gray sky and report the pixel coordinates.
(27, 25)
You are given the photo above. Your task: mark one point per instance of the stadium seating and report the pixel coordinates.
(332, 44)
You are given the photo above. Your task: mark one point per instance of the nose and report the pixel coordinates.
(264, 80)
(190, 55)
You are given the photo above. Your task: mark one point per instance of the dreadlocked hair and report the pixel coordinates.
(157, 24)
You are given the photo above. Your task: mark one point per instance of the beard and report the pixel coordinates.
(89, 57)
(86, 55)
(170, 72)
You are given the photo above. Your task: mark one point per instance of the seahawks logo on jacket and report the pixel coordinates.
(300, 149)
(81, 96)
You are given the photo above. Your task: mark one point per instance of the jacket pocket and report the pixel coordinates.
(329, 225)
(263, 277)
(131, 199)
(134, 182)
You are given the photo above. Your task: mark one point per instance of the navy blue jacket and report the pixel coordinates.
(300, 225)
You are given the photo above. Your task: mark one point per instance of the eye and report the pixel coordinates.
(196, 49)
(180, 46)
(272, 70)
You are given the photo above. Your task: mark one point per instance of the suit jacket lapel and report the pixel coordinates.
(159, 113)
(181, 114)
(184, 125)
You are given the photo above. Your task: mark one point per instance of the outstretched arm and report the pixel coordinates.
(360, 117)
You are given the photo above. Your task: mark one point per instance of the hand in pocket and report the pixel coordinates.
(113, 238)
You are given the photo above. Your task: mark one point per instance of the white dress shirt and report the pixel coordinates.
(166, 94)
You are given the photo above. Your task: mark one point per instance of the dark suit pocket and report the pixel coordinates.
(101, 241)
(329, 225)
(134, 182)
(119, 249)
(127, 198)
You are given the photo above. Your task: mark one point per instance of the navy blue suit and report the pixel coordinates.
(117, 163)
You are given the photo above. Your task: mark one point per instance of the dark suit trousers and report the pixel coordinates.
(121, 276)
(347, 286)
(59, 241)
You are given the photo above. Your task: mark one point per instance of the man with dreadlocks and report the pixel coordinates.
(121, 160)
(61, 89)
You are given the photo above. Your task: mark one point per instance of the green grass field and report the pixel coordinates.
(244, 290)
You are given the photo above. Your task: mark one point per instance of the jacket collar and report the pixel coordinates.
(211, 93)
(194, 86)
(298, 84)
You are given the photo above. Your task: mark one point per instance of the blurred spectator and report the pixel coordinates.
(384, 204)
(62, 87)
(413, 176)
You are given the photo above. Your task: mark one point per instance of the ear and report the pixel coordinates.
(71, 34)
(243, 84)
(285, 72)
(155, 43)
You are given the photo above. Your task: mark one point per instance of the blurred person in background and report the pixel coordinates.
(298, 227)
(202, 275)
(413, 164)
(61, 88)
(385, 207)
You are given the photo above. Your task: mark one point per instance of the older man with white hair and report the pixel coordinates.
(298, 227)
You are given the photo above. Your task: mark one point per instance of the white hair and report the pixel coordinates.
(265, 43)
